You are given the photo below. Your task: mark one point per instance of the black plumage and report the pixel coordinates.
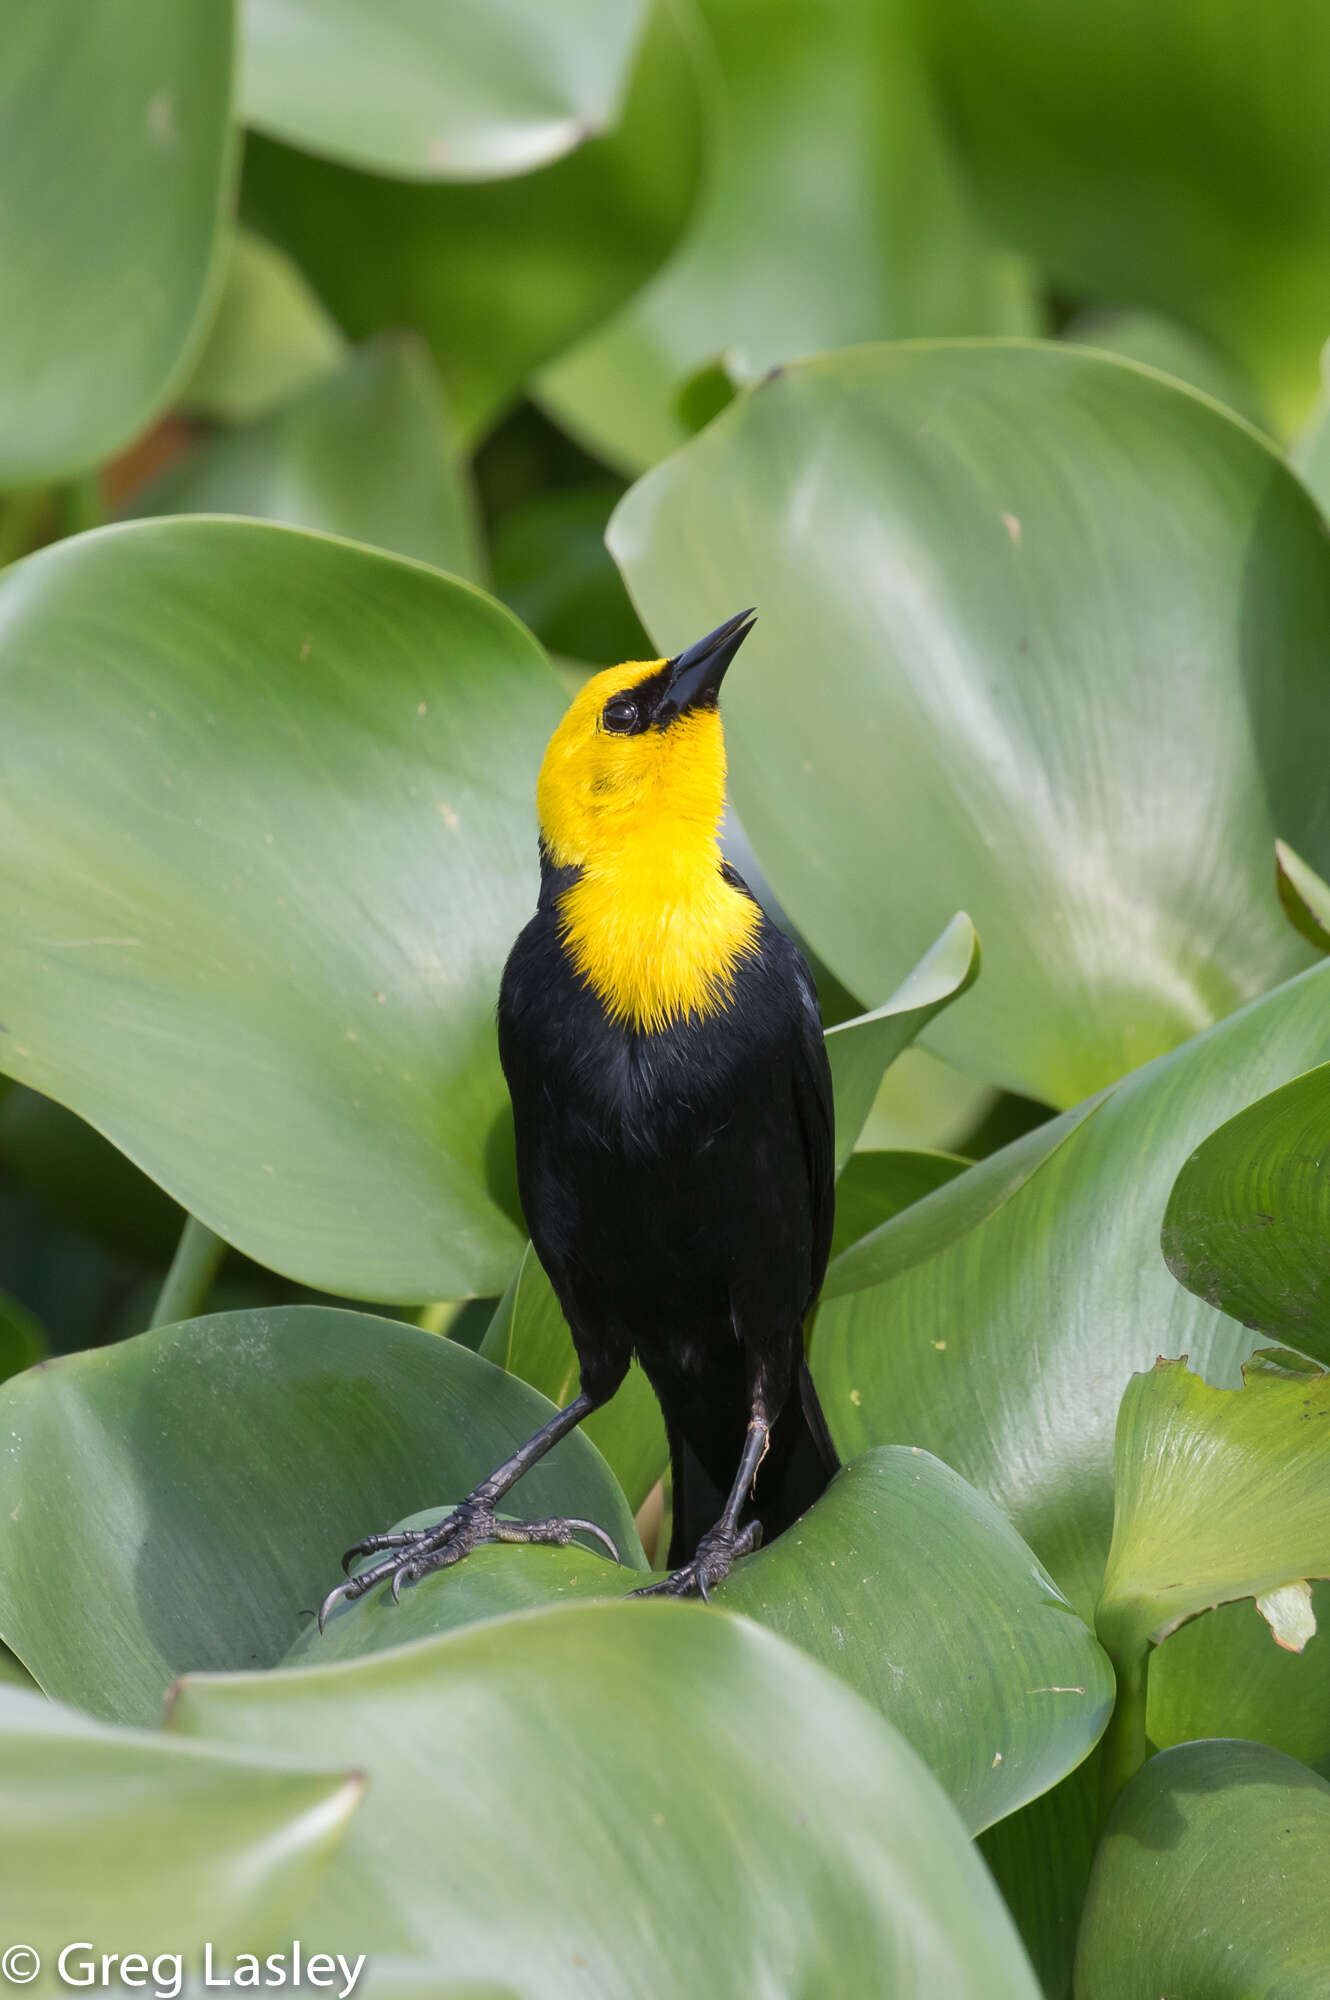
(678, 1186)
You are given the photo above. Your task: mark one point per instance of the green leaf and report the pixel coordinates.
(181, 1500)
(144, 1843)
(987, 549)
(1248, 1219)
(1220, 1676)
(116, 168)
(928, 1227)
(269, 338)
(1305, 897)
(1210, 1880)
(649, 1745)
(1179, 170)
(552, 568)
(988, 1673)
(13, 1673)
(829, 163)
(915, 1590)
(498, 277)
(860, 1050)
(22, 1340)
(252, 890)
(877, 1185)
(529, 1337)
(1155, 341)
(1008, 1351)
(1220, 1493)
(438, 91)
(366, 453)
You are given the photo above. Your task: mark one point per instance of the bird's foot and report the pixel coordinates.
(717, 1552)
(414, 1552)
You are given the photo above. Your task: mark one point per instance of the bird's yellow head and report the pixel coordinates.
(631, 793)
(640, 750)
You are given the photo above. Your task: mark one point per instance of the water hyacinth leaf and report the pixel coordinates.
(1049, 1302)
(269, 338)
(987, 1671)
(13, 1673)
(261, 893)
(1171, 164)
(365, 453)
(140, 1841)
(22, 1341)
(1204, 1832)
(1159, 342)
(930, 1226)
(1305, 897)
(552, 568)
(117, 166)
(529, 1337)
(989, 1674)
(827, 160)
(1220, 1676)
(874, 1186)
(498, 277)
(860, 1050)
(969, 561)
(199, 1483)
(1248, 1219)
(621, 1727)
(437, 89)
(1220, 1493)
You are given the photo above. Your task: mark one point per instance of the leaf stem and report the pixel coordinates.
(1124, 1739)
(189, 1280)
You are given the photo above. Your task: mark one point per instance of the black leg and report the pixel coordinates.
(417, 1551)
(719, 1547)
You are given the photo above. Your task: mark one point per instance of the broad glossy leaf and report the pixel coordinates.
(438, 89)
(499, 277)
(1041, 1859)
(1219, 1493)
(1220, 1675)
(931, 1226)
(144, 1843)
(366, 453)
(269, 338)
(552, 568)
(969, 563)
(900, 1579)
(181, 1500)
(914, 1589)
(1159, 342)
(529, 1337)
(1305, 897)
(1173, 163)
(874, 1186)
(1248, 1221)
(650, 1745)
(832, 212)
(860, 1050)
(117, 163)
(13, 1673)
(1210, 1880)
(78, 1176)
(22, 1341)
(1007, 1353)
(266, 836)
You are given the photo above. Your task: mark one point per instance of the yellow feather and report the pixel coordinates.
(651, 924)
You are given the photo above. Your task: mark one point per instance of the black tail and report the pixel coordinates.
(796, 1470)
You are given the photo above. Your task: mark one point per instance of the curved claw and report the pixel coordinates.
(331, 1601)
(592, 1528)
(398, 1574)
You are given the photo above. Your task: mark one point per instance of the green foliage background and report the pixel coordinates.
(367, 375)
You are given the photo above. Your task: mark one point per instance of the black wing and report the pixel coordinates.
(817, 1120)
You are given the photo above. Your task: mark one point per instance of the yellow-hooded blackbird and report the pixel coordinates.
(663, 1048)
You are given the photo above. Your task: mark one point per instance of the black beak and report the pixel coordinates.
(695, 676)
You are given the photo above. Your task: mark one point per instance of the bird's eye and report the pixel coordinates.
(619, 714)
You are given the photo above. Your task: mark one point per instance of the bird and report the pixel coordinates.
(663, 1048)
